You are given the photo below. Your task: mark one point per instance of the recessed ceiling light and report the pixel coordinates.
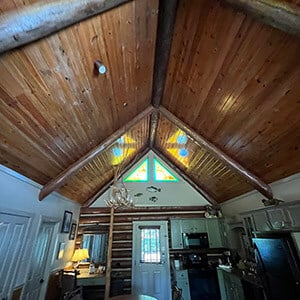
(100, 67)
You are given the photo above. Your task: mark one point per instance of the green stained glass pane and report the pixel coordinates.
(140, 173)
(161, 173)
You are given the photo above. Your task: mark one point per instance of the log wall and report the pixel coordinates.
(122, 234)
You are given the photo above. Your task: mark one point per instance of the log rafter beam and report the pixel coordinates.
(282, 15)
(61, 178)
(165, 28)
(41, 19)
(252, 179)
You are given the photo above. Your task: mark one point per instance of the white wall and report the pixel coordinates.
(172, 193)
(287, 189)
(20, 194)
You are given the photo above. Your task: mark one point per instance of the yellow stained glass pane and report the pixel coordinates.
(140, 173)
(180, 154)
(161, 173)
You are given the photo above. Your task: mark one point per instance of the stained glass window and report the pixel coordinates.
(161, 173)
(150, 245)
(140, 173)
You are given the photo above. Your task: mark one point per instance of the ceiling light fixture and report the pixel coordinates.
(119, 196)
(100, 67)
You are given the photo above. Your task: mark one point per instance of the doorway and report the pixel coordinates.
(150, 260)
(41, 258)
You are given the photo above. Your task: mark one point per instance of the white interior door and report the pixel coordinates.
(40, 257)
(13, 235)
(150, 260)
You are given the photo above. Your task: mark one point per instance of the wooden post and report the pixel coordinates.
(33, 22)
(282, 15)
(153, 128)
(109, 255)
(252, 179)
(59, 180)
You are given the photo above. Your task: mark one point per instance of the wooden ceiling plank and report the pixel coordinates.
(103, 189)
(256, 182)
(47, 18)
(282, 15)
(153, 128)
(165, 28)
(59, 180)
(199, 189)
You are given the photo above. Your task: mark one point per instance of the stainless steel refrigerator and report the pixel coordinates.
(278, 264)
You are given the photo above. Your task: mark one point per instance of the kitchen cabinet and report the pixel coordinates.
(214, 233)
(194, 225)
(261, 221)
(294, 214)
(182, 280)
(176, 234)
(214, 227)
(279, 217)
(230, 286)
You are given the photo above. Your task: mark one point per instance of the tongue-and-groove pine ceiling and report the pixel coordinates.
(231, 79)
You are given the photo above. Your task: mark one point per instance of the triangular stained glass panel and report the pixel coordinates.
(161, 173)
(140, 173)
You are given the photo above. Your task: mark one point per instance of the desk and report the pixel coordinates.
(132, 297)
(87, 279)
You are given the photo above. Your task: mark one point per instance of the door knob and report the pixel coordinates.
(42, 280)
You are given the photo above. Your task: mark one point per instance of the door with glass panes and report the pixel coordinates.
(150, 260)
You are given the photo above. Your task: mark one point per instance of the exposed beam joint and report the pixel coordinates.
(199, 189)
(282, 15)
(103, 189)
(252, 179)
(61, 179)
(153, 128)
(165, 27)
(36, 21)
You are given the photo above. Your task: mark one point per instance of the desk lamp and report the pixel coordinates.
(79, 254)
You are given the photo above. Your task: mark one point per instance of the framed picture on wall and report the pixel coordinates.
(72, 231)
(66, 224)
(61, 250)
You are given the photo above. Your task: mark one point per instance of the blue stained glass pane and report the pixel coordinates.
(117, 151)
(181, 139)
(121, 140)
(183, 152)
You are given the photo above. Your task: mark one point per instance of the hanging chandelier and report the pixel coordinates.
(119, 196)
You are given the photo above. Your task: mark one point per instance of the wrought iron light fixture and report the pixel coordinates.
(119, 196)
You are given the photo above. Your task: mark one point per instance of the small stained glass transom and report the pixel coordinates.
(161, 173)
(150, 245)
(140, 173)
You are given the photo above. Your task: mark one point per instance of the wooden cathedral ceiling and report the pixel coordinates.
(231, 79)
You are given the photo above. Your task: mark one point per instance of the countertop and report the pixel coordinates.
(251, 278)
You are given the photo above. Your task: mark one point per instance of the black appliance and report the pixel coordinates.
(278, 264)
(195, 240)
(203, 280)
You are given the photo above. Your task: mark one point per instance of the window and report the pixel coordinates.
(140, 173)
(161, 173)
(150, 245)
(96, 245)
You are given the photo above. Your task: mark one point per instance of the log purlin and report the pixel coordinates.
(122, 233)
